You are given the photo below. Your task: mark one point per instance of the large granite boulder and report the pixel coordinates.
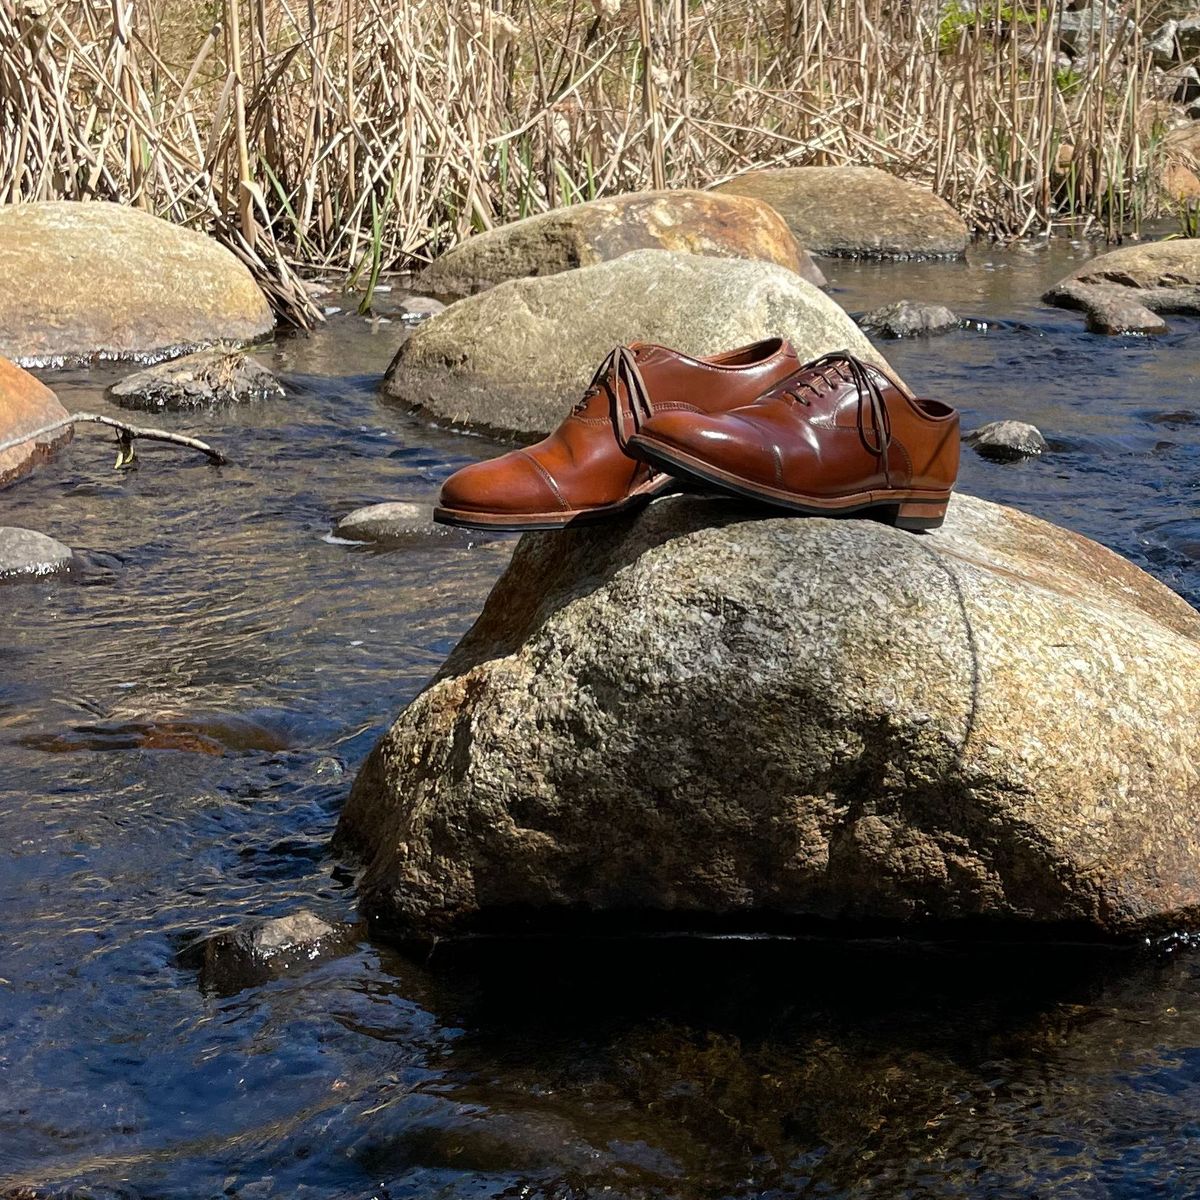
(87, 280)
(512, 360)
(857, 212)
(711, 712)
(1124, 290)
(581, 235)
(26, 405)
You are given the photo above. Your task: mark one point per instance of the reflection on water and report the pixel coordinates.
(180, 722)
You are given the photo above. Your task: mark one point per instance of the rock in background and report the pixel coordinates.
(711, 712)
(1124, 290)
(200, 380)
(27, 404)
(857, 212)
(87, 280)
(512, 360)
(582, 235)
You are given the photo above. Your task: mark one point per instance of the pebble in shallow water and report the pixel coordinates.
(25, 552)
(1007, 441)
(403, 523)
(909, 318)
(263, 950)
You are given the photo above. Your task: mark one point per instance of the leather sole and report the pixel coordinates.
(914, 509)
(562, 519)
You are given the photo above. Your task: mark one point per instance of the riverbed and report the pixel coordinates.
(182, 717)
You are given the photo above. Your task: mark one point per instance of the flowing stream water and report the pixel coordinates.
(181, 719)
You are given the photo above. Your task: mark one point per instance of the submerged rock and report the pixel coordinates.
(402, 523)
(1124, 290)
(512, 360)
(85, 280)
(420, 308)
(714, 712)
(200, 380)
(25, 552)
(859, 212)
(26, 405)
(1007, 441)
(582, 235)
(909, 318)
(263, 950)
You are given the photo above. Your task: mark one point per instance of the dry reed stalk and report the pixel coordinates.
(366, 134)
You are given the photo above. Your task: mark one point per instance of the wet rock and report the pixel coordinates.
(264, 950)
(859, 212)
(512, 360)
(402, 523)
(420, 308)
(582, 235)
(86, 280)
(201, 380)
(1109, 309)
(708, 711)
(909, 318)
(1121, 290)
(26, 405)
(1007, 441)
(25, 553)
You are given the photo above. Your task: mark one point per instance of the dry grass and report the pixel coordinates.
(368, 134)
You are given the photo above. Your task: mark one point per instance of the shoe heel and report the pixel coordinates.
(917, 516)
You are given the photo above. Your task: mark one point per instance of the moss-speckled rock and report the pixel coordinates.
(858, 212)
(512, 360)
(87, 280)
(201, 380)
(710, 711)
(582, 235)
(26, 404)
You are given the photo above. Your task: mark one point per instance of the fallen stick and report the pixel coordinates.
(130, 432)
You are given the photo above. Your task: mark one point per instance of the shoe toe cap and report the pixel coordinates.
(511, 484)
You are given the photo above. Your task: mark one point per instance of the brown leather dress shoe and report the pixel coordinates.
(581, 472)
(838, 436)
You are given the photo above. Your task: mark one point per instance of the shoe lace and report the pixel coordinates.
(819, 376)
(620, 366)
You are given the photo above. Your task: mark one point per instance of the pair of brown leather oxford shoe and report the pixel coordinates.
(832, 436)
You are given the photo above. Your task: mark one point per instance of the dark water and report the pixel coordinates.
(180, 722)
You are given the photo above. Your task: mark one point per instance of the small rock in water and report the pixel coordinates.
(25, 552)
(1007, 441)
(909, 318)
(209, 377)
(420, 308)
(402, 523)
(263, 950)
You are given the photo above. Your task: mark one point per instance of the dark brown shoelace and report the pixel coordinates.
(620, 366)
(814, 377)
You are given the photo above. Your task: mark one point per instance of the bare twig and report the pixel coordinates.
(131, 431)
